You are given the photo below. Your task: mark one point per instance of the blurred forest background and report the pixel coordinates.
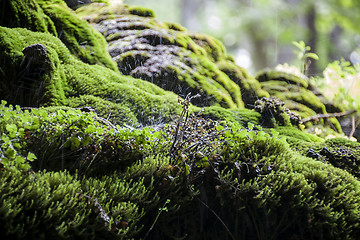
(259, 33)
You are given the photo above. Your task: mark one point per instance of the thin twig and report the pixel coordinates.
(327, 115)
(353, 126)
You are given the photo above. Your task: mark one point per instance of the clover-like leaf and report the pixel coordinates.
(12, 129)
(31, 157)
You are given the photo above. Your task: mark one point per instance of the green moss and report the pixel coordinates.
(72, 83)
(264, 180)
(56, 18)
(258, 182)
(299, 108)
(214, 48)
(299, 140)
(266, 75)
(252, 176)
(341, 153)
(297, 94)
(250, 88)
(216, 83)
(274, 113)
(116, 113)
(177, 61)
(242, 116)
(80, 38)
(17, 76)
(58, 205)
(175, 26)
(27, 14)
(141, 11)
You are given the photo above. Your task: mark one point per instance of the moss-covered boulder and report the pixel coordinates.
(171, 57)
(60, 74)
(68, 81)
(298, 95)
(274, 113)
(293, 90)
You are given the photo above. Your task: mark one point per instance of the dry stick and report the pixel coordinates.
(328, 115)
(353, 126)
(227, 229)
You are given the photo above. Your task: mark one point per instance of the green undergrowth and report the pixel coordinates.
(68, 173)
(60, 205)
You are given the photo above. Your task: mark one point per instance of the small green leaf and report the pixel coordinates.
(75, 142)
(16, 145)
(10, 153)
(12, 129)
(312, 55)
(100, 131)
(274, 133)
(251, 126)
(228, 134)
(187, 169)
(300, 45)
(5, 138)
(19, 160)
(31, 157)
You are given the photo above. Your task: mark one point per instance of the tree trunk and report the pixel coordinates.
(313, 37)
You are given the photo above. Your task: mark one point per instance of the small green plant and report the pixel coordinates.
(304, 55)
(341, 80)
(14, 129)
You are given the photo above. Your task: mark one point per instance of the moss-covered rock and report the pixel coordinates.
(288, 87)
(56, 18)
(251, 89)
(297, 94)
(339, 152)
(170, 57)
(70, 82)
(274, 113)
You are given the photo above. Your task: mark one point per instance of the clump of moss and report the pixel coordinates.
(251, 89)
(274, 113)
(141, 11)
(91, 191)
(229, 116)
(60, 205)
(339, 152)
(288, 87)
(257, 185)
(27, 14)
(297, 139)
